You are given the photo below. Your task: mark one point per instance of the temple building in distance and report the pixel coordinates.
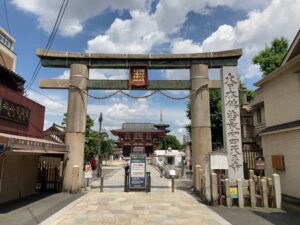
(140, 137)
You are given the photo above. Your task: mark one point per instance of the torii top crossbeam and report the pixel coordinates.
(153, 61)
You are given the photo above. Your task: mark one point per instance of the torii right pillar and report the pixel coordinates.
(200, 113)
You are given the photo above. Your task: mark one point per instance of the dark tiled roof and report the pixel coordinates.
(281, 127)
(138, 127)
(11, 73)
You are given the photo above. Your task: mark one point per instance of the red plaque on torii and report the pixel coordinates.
(138, 76)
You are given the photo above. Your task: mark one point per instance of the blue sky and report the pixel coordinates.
(144, 26)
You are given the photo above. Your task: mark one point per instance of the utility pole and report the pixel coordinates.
(99, 150)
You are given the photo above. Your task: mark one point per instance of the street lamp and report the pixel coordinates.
(99, 150)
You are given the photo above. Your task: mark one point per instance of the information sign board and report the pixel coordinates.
(260, 163)
(233, 192)
(172, 173)
(88, 173)
(137, 178)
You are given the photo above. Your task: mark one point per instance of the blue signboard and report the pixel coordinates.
(137, 179)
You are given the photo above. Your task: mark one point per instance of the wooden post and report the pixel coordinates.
(214, 189)
(240, 193)
(264, 192)
(228, 199)
(252, 193)
(277, 190)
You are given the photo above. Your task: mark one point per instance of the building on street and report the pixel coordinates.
(276, 117)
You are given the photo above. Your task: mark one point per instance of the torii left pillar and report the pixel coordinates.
(75, 131)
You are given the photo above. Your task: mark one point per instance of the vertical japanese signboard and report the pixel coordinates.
(231, 122)
(138, 76)
(137, 179)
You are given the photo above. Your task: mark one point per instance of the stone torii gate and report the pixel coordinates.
(198, 63)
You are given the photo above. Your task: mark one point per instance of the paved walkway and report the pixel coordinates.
(114, 206)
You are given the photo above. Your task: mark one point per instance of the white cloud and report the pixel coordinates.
(100, 74)
(145, 30)
(57, 106)
(280, 18)
(77, 12)
(187, 46)
(136, 35)
(252, 72)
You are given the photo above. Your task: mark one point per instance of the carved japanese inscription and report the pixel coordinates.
(138, 76)
(14, 112)
(231, 122)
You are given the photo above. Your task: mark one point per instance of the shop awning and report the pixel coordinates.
(16, 143)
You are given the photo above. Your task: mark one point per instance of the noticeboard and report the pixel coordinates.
(137, 178)
(233, 192)
(88, 173)
(218, 160)
(260, 163)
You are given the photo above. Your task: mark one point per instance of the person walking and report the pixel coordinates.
(161, 167)
(126, 167)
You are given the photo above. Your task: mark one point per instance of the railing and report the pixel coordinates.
(48, 179)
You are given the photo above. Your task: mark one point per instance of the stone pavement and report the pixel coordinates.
(114, 206)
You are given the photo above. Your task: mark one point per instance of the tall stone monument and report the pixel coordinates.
(231, 122)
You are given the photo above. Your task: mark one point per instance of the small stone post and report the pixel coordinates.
(251, 174)
(75, 180)
(197, 177)
(61, 168)
(200, 172)
(214, 189)
(277, 190)
(240, 193)
(252, 193)
(228, 199)
(264, 192)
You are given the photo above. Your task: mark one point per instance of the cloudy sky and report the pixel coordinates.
(143, 26)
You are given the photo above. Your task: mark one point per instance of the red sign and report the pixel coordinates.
(260, 163)
(138, 76)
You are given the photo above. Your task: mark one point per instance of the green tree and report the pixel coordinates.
(216, 114)
(270, 58)
(107, 147)
(170, 141)
(215, 117)
(91, 137)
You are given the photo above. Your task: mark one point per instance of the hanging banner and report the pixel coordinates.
(138, 76)
(137, 172)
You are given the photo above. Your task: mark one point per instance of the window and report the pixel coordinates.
(6, 42)
(258, 115)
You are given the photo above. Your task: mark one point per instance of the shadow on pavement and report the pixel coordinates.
(13, 205)
(34, 209)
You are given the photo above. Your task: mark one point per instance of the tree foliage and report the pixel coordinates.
(107, 147)
(170, 141)
(216, 114)
(270, 58)
(91, 136)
